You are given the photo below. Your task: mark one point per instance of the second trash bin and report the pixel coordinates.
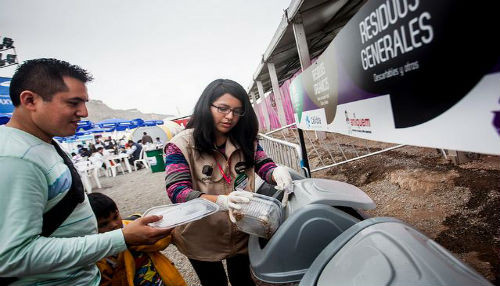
(155, 160)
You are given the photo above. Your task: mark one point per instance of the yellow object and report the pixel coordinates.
(124, 272)
(171, 128)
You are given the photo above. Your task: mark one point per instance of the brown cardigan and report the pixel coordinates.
(214, 237)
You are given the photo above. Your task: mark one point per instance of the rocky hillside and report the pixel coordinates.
(99, 111)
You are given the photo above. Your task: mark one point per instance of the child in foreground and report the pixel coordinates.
(139, 265)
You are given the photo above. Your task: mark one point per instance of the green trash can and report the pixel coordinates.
(155, 160)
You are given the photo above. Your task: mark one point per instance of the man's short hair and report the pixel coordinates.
(44, 77)
(144, 133)
(102, 205)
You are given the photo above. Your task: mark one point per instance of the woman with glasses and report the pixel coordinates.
(217, 154)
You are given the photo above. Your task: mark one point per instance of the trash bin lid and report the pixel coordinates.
(178, 214)
(328, 192)
(393, 253)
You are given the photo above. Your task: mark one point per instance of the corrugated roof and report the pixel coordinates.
(322, 20)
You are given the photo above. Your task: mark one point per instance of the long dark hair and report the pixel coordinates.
(243, 134)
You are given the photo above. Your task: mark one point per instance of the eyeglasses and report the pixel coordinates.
(226, 110)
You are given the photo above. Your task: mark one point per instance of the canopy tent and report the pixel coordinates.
(123, 124)
(85, 125)
(116, 123)
(5, 117)
(137, 122)
(153, 131)
(6, 106)
(182, 121)
(70, 143)
(94, 130)
(171, 128)
(67, 139)
(152, 122)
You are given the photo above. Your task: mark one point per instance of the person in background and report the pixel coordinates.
(134, 152)
(76, 157)
(217, 153)
(92, 149)
(99, 157)
(158, 143)
(48, 232)
(84, 152)
(109, 143)
(146, 138)
(122, 143)
(139, 265)
(98, 142)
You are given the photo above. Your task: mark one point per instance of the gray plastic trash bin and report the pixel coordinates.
(311, 224)
(385, 251)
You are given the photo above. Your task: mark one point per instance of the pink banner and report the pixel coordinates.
(270, 109)
(260, 116)
(271, 112)
(287, 102)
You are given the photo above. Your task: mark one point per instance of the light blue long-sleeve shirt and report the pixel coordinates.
(33, 178)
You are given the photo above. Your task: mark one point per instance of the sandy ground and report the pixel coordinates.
(458, 206)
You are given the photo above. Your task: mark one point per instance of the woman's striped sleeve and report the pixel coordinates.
(178, 180)
(264, 165)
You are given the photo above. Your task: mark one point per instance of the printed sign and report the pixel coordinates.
(5, 101)
(423, 73)
(152, 161)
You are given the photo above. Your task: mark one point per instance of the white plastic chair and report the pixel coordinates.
(90, 169)
(96, 164)
(113, 167)
(141, 159)
(82, 168)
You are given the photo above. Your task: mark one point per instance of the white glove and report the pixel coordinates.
(282, 178)
(233, 200)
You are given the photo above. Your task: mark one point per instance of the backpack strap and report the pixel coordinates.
(61, 211)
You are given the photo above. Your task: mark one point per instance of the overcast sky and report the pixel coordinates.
(153, 55)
